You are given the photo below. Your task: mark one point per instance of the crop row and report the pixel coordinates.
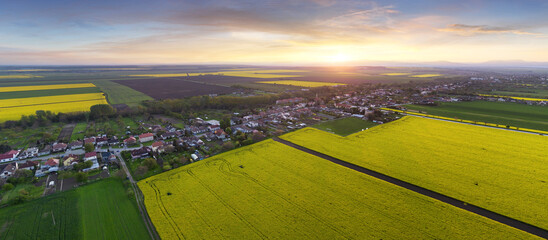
(45, 87)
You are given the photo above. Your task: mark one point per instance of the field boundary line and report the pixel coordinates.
(511, 222)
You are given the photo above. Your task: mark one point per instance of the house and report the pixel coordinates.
(6, 157)
(252, 124)
(213, 122)
(15, 153)
(101, 141)
(70, 160)
(29, 165)
(29, 152)
(168, 135)
(157, 147)
(89, 140)
(130, 141)
(210, 136)
(51, 163)
(113, 141)
(7, 170)
(241, 128)
(45, 151)
(90, 156)
(146, 137)
(140, 153)
(76, 145)
(108, 157)
(213, 128)
(59, 147)
(220, 134)
(94, 165)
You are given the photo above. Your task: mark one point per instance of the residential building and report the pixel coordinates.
(146, 137)
(90, 156)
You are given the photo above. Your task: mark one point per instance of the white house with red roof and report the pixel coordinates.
(146, 137)
(90, 156)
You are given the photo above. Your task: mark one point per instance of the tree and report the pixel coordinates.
(150, 163)
(81, 177)
(141, 170)
(89, 147)
(228, 146)
(258, 136)
(4, 148)
(101, 110)
(225, 123)
(166, 167)
(7, 187)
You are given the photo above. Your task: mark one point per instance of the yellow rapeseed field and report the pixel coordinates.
(12, 109)
(16, 102)
(270, 190)
(302, 83)
(517, 98)
(275, 73)
(466, 121)
(18, 76)
(425, 75)
(45, 87)
(503, 171)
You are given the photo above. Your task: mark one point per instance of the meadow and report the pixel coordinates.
(502, 171)
(345, 126)
(99, 210)
(303, 83)
(504, 113)
(270, 190)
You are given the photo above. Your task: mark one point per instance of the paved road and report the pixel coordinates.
(423, 191)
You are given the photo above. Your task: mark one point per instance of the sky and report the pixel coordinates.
(278, 32)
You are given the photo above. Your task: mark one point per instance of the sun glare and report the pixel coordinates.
(339, 58)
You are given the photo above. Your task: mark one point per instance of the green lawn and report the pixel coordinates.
(118, 93)
(99, 210)
(345, 126)
(268, 190)
(523, 92)
(79, 131)
(505, 113)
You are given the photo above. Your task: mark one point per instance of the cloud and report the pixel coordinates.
(469, 30)
(374, 19)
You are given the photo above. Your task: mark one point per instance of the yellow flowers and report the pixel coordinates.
(45, 87)
(14, 108)
(18, 76)
(302, 83)
(395, 74)
(274, 73)
(269, 190)
(517, 98)
(502, 171)
(466, 121)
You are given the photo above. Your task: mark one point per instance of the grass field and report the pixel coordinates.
(96, 211)
(345, 126)
(79, 131)
(34, 192)
(503, 171)
(524, 92)
(269, 190)
(117, 93)
(513, 114)
(302, 83)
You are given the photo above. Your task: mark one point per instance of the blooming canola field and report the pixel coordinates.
(302, 83)
(270, 190)
(500, 170)
(14, 108)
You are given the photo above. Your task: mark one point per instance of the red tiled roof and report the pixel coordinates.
(90, 154)
(145, 135)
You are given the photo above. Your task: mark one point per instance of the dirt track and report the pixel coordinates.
(423, 191)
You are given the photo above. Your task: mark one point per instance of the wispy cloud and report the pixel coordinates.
(469, 30)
